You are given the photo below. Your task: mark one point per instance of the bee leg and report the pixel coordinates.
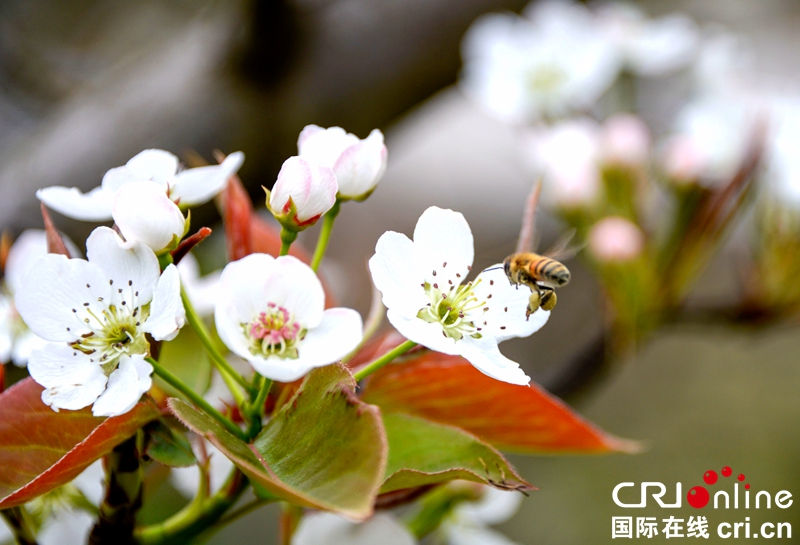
(548, 299)
(534, 303)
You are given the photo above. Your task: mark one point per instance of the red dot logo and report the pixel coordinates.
(747, 486)
(697, 497)
(710, 477)
(741, 476)
(727, 471)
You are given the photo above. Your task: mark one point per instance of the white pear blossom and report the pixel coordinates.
(430, 302)
(567, 156)
(95, 314)
(303, 192)
(358, 164)
(649, 47)
(550, 64)
(625, 140)
(782, 156)
(469, 523)
(615, 239)
(382, 528)
(271, 312)
(187, 187)
(711, 139)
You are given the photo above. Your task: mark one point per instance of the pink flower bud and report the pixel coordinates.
(615, 239)
(304, 191)
(626, 139)
(682, 161)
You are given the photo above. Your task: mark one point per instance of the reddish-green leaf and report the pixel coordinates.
(236, 213)
(324, 448)
(449, 390)
(41, 449)
(55, 243)
(422, 452)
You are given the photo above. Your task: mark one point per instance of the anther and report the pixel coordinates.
(86, 304)
(502, 327)
(130, 282)
(505, 309)
(110, 282)
(485, 309)
(450, 282)
(434, 273)
(88, 286)
(491, 282)
(436, 286)
(458, 275)
(489, 296)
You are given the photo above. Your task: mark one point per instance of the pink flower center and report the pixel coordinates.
(274, 332)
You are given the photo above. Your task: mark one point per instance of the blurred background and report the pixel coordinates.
(86, 85)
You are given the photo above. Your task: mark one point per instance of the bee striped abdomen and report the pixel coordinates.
(550, 270)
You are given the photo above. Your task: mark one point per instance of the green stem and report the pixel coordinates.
(195, 517)
(195, 398)
(258, 405)
(325, 235)
(383, 360)
(287, 237)
(18, 519)
(217, 359)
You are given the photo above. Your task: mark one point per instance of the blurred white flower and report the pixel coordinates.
(96, 314)
(271, 312)
(17, 341)
(615, 239)
(203, 291)
(429, 301)
(782, 156)
(187, 187)
(550, 64)
(567, 155)
(625, 140)
(63, 521)
(649, 47)
(358, 164)
(468, 524)
(143, 212)
(303, 192)
(317, 528)
(725, 62)
(711, 139)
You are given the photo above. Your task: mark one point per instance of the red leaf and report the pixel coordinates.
(449, 390)
(236, 213)
(188, 243)
(55, 244)
(41, 449)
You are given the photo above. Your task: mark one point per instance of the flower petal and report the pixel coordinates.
(508, 306)
(494, 507)
(297, 288)
(25, 343)
(395, 276)
(156, 165)
(167, 314)
(360, 166)
(128, 266)
(475, 535)
(57, 294)
(443, 246)
(241, 288)
(324, 146)
(66, 526)
(199, 185)
(425, 333)
(485, 355)
(69, 201)
(127, 383)
(339, 332)
(72, 380)
(203, 291)
(143, 212)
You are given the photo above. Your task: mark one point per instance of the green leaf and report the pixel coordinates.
(185, 357)
(324, 448)
(168, 446)
(41, 449)
(422, 452)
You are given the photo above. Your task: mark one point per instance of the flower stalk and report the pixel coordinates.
(389, 357)
(17, 520)
(325, 235)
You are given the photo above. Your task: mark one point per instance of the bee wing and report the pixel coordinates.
(527, 240)
(564, 248)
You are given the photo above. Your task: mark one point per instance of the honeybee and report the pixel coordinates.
(541, 274)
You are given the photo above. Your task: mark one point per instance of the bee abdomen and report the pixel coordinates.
(550, 270)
